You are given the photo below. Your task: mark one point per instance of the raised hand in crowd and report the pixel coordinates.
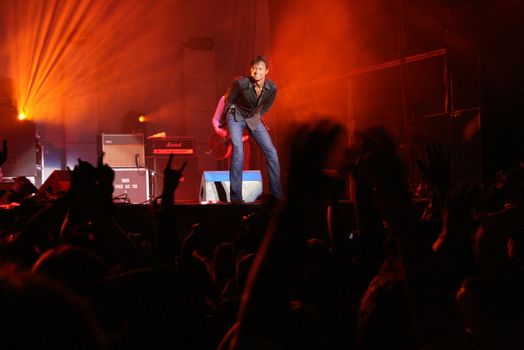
(168, 244)
(90, 221)
(278, 271)
(437, 168)
(436, 318)
(105, 179)
(493, 236)
(459, 216)
(84, 197)
(454, 245)
(491, 301)
(368, 217)
(172, 179)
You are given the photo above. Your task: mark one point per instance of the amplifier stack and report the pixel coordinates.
(139, 165)
(183, 150)
(125, 154)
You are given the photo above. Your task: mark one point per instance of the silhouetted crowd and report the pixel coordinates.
(297, 275)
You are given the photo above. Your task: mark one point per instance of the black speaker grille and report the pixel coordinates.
(187, 190)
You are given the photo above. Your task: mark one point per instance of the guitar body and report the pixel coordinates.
(220, 148)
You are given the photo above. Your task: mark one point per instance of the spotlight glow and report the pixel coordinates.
(75, 54)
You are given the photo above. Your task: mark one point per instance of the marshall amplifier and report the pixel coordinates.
(171, 145)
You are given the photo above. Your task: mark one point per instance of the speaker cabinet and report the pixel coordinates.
(215, 185)
(4, 189)
(187, 189)
(57, 183)
(122, 150)
(132, 185)
(21, 143)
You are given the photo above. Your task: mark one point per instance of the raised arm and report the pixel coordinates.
(168, 245)
(437, 321)
(436, 169)
(278, 270)
(88, 214)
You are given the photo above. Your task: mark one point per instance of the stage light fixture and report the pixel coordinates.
(22, 116)
(143, 119)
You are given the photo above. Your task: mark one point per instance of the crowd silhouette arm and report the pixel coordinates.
(168, 244)
(278, 270)
(91, 210)
(436, 318)
(436, 169)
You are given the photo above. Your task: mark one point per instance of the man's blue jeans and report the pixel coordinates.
(261, 136)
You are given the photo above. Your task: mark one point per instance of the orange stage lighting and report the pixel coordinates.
(22, 116)
(143, 119)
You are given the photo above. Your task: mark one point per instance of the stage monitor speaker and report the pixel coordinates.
(187, 189)
(131, 184)
(4, 190)
(57, 183)
(21, 143)
(17, 190)
(215, 186)
(122, 150)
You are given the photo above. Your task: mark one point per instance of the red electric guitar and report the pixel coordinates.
(221, 147)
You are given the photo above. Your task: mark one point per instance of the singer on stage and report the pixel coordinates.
(246, 101)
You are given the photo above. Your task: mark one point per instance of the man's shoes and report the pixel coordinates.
(237, 201)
